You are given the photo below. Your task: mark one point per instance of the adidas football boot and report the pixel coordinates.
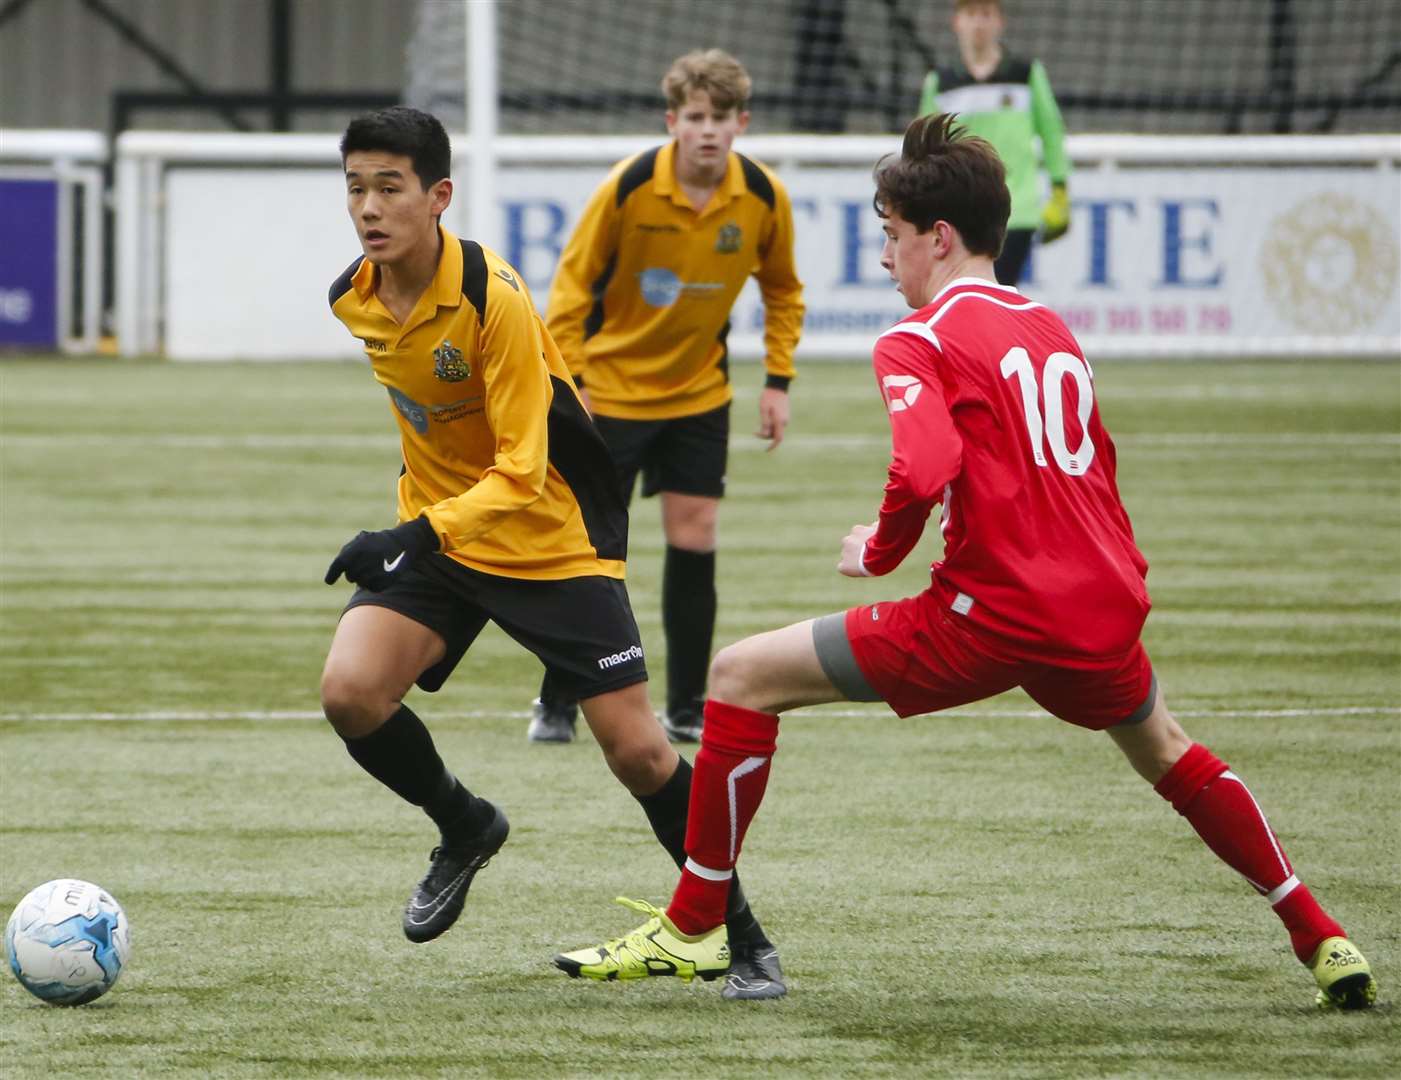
(1344, 977)
(654, 948)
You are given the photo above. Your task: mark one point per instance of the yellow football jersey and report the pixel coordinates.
(499, 453)
(640, 304)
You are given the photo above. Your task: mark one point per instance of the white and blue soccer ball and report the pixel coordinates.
(67, 941)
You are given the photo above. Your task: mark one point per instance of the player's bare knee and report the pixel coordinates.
(642, 765)
(1173, 742)
(1154, 745)
(692, 538)
(734, 675)
(352, 707)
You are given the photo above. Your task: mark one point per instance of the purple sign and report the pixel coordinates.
(29, 263)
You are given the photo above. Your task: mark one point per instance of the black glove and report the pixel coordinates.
(373, 560)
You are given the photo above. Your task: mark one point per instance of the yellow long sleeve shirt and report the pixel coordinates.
(641, 300)
(498, 451)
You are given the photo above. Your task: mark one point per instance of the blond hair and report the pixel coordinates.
(714, 71)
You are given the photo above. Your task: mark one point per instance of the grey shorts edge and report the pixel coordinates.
(838, 661)
(1145, 710)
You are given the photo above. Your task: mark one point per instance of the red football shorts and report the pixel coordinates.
(919, 657)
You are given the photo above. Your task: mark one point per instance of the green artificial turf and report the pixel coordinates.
(981, 893)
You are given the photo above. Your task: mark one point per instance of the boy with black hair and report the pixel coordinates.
(509, 511)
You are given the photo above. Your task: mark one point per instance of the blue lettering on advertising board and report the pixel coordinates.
(1100, 211)
(534, 238)
(29, 263)
(861, 252)
(1175, 243)
(806, 206)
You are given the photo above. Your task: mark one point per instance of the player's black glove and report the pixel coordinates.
(373, 560)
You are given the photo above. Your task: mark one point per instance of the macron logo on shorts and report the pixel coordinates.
(632, 652)
(901, 391)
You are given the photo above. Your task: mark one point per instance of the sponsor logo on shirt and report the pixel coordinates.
(410, 410)
(643, 226)
(418, 415)
(662, 287)
(632, 652)
(729, 239)
(901, 392)
(448, 363)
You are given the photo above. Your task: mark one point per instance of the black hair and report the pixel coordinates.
(399, 129)
(945, 174)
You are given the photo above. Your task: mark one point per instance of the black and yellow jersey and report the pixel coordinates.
(640, 304)
(498, 451)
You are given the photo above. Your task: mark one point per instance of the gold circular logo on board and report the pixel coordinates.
(1330, 264)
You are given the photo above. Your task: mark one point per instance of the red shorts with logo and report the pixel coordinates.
(921, 657)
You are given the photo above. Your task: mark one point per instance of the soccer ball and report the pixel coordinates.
(67, 942)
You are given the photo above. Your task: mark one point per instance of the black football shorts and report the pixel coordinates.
(687, 455)
(582, 629)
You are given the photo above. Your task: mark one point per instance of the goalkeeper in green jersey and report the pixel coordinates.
(1006, 100)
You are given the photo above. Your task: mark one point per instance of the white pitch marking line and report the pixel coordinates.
(492, 714)
(341, 441)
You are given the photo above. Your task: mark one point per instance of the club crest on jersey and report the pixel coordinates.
(729, 239)
(901, 392)
(448, 363)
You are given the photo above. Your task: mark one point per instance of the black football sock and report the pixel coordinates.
(688, 616)
(459, 815)
(400, 754)
(666, 811)
(550, 695)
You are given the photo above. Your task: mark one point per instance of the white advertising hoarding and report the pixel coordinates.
(1159, 261)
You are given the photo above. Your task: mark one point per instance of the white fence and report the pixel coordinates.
(1281, 245)
(1276, 245)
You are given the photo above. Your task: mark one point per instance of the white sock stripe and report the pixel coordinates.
(707, 873)
(1286, 887)
(1283, 862)
(744, 768)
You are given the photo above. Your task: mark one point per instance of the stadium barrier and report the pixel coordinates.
(51, 191)
(1180, 246)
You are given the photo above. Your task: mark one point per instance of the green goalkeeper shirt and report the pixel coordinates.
(1011, 108)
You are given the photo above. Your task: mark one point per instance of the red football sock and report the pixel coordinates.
(727, 785)
(1220, 807)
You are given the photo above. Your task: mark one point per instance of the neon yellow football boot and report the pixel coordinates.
(1344, 976)
(654, 948)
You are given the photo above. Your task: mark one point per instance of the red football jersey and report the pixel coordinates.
(992, 413)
